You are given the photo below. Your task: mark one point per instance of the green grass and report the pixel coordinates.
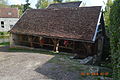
(68, 63)
(4, 44)
(27, 50)
(4, 33)
(4, 37)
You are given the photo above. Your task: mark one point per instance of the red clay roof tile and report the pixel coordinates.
(9, 13)
(70, 23)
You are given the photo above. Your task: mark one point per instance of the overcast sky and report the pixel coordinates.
(33, 2)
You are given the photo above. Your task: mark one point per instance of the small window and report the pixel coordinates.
(9, 13)
(11, 26)
(2, 24)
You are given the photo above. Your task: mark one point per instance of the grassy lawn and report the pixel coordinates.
(4, 33)
(4, 44)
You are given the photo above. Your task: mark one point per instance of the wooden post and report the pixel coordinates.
(88, 48)
(41, 44)
(73, 46)
(56, 45)
(100, 46)
(30, 40)
(12, 42)
(20, 37)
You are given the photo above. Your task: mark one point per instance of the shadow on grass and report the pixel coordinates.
(61, 67)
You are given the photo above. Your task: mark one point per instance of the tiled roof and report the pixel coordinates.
(9, 13)
(70, 23)
(65, 5)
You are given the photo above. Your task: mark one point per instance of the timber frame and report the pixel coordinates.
(82, 48)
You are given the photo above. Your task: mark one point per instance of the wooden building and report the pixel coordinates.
(77, 30)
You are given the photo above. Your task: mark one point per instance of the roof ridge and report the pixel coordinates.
(65, 8)
(67, 2)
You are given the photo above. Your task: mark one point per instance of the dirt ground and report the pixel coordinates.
(39, 66)
(21, 66)
(31, 66)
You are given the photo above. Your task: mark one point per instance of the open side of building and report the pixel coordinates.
(77, 30)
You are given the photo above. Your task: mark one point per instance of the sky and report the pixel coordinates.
(88, 2)
(33, 2)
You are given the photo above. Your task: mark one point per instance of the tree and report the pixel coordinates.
(107, 12)
(26, 6)
(42, 4)
(115, 38)
(45, 3)
(59, 1)
(20, 8)
(3, 3)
